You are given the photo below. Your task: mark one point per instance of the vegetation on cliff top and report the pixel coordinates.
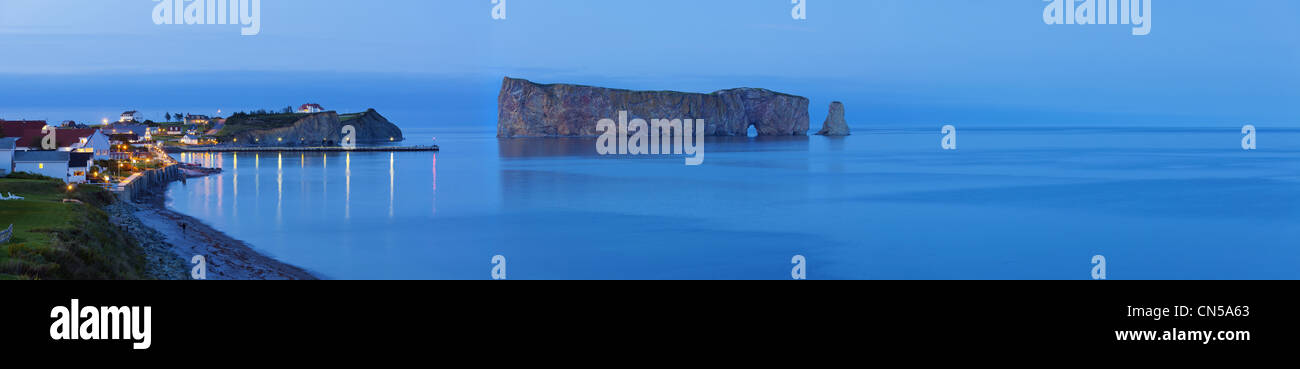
(54, 239)
(244, 122)
(240, 123)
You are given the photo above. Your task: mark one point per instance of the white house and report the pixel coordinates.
(119, 130)
(84, 140)
(130, 116)
(171, 130)
(79, 164)
(197, 119)
(310, 108)
(53, 164)
(7, 146)
(189, 140)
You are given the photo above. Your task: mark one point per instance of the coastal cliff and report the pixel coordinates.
(308, 129)
(527, 109)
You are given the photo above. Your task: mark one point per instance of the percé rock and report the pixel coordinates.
(527, 109)
(326, 127)
(835, 124)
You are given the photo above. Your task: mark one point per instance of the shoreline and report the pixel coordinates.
(226, 258)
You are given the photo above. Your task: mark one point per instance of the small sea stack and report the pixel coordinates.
(835, 124)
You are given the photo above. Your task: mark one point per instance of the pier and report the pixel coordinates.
(144, 184)
(300, 149)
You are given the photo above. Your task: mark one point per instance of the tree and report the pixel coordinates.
(169, 116)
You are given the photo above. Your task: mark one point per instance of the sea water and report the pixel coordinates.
(1009, 203)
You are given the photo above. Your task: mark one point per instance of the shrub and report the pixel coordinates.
(25, 175)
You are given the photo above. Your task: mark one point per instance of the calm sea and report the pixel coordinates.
(882, 204)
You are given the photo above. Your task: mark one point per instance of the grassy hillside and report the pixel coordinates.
(57, 240)
(240, 123)
(244, 122)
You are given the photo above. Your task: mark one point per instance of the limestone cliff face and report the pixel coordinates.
(327, 128)
(527, 109)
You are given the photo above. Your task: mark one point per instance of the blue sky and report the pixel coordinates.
(440, 62)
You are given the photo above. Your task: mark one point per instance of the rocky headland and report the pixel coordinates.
(527, 109)
(316, 129)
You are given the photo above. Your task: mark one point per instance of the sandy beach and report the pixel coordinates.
(227, 258)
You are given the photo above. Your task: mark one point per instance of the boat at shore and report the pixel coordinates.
(196, 171)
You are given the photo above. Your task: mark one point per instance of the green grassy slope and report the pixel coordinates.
(57, 240)
(240, 123)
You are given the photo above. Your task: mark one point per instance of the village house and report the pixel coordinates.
(171, 129)
(197, 119)
(91, 141)
(72, 140)
(138, 132)
(190, 140)
(130, 116)
(122, 138)
(310, 108)
(24, 131)
(79, 164)
(53, 164)
(75, 153)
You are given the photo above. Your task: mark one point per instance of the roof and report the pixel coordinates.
(17, 128)
(123, 137)
(8, 143)
(137, 129)
(79, 159)
(47, 156)
(305, 106)
(30, 138)
(68, 137)
(62, 137)
(132, 112)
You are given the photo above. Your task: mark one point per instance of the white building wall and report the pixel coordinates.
(76, 175)
(6, 162)
(99, 142)
(52, 169)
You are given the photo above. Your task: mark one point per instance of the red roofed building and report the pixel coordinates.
(73, 137)
(310, 108)
(16, 128)
(75, 140)
(24, 130)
